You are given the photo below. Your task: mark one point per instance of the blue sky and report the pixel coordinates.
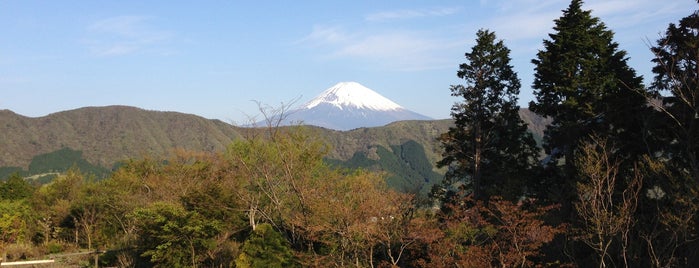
(216, 58)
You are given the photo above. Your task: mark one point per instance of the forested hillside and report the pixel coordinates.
(109, 134)
(96, 139)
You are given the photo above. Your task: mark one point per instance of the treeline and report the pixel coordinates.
(407, 167)
(268, 201)
(618, 184)
(44, 167)
(620, 174)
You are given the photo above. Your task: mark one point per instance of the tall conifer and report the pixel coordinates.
(582, 81)
(489, 149)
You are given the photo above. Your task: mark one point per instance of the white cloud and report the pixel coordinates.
(396, 49)
(125, 26)
(528, 22)
(323, 35)
(123, 35)
(631, 13)
(523, 24)
(515, 20)
(522, 19)
(411, 13)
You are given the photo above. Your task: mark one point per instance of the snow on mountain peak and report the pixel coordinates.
(354, 95)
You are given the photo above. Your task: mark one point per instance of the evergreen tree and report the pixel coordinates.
(673, 186)
(489, 149)
(677, 72)
(582, 81)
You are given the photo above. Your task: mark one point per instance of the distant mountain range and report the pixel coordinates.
(98, 137)
(350, 105)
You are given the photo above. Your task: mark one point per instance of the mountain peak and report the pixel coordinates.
(353, 95)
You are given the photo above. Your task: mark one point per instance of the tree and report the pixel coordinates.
(489, 148)
(671, 204)
(499, 233)
(266, 248)
(677, 72)
(15, 188)
(275, 174)
(667, 217)
(54, 202)
(174, 237)
(582, 81)
(87, 211)
(15, 218)
(605, 216)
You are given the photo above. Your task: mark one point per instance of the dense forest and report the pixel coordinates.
(615, 182)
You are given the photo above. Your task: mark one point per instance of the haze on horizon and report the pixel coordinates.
(213, 59)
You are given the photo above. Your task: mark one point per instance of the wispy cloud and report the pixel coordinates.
(411, 13)
(523, 19)
(397, 49)
(123, 35)
(325, 35)
(523, 24)
(516, 20)
(629, 14)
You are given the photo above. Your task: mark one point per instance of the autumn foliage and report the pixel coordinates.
(496, 233)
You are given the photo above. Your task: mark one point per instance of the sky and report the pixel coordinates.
(222, 59)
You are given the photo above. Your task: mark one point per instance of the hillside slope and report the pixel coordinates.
(109, 134)
(407, 150)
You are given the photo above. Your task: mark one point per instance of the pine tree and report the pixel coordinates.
(582, 81)
(489, 149)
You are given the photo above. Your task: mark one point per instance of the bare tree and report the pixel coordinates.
(606, 215)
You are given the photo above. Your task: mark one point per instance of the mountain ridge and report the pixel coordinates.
(106, 135)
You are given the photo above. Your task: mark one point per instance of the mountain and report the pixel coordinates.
(95, 138)
(350, 105)
(109, 134)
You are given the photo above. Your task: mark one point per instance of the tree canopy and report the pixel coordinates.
(489, 149)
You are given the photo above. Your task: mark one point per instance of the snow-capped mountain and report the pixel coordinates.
(350, 105)
(353, 95)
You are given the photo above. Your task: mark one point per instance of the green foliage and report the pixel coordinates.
(173, 237)
(53, 204)
(409, 170)
(216, 203)
(46, 167)
(15, 217)
(15, 188)
(582, 81)
(62, 160)
(5, 172)
(266, 248)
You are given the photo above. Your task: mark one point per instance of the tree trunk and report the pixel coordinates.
(477, 158)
